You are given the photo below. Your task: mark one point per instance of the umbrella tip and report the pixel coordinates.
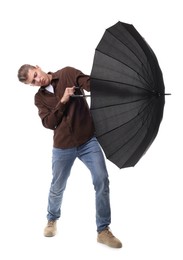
(159, 94)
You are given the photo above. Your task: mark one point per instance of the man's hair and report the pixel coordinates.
(23, 72)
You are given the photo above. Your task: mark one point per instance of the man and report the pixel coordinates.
(70, 119)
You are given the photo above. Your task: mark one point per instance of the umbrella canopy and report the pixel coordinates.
(127, 94)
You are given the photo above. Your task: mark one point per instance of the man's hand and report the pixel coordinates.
(67, 94)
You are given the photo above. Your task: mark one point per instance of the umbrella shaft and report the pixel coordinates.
(80, 96)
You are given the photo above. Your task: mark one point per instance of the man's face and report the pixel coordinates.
(37, 77)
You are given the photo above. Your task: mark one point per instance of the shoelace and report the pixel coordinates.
(50, 223)
(109, 233)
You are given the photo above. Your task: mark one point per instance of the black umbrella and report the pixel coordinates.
(127, 94)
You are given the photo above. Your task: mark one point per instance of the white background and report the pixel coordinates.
(146, 200)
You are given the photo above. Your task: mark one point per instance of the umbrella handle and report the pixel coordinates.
(80, 95)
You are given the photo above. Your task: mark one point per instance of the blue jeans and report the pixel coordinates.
(91, 155)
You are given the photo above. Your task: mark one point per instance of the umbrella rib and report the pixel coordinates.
(121, 103)
(125, 65)
(133, 135)
(128, 49)
(117, 104)
(122, 83)
(148, 104)
(146, 119)
(120, 114)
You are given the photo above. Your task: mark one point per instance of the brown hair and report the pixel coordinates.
(23, 72)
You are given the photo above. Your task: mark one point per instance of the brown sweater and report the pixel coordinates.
(72, 123)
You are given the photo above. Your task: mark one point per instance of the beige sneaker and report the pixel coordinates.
(106, 237)
(50, 229)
